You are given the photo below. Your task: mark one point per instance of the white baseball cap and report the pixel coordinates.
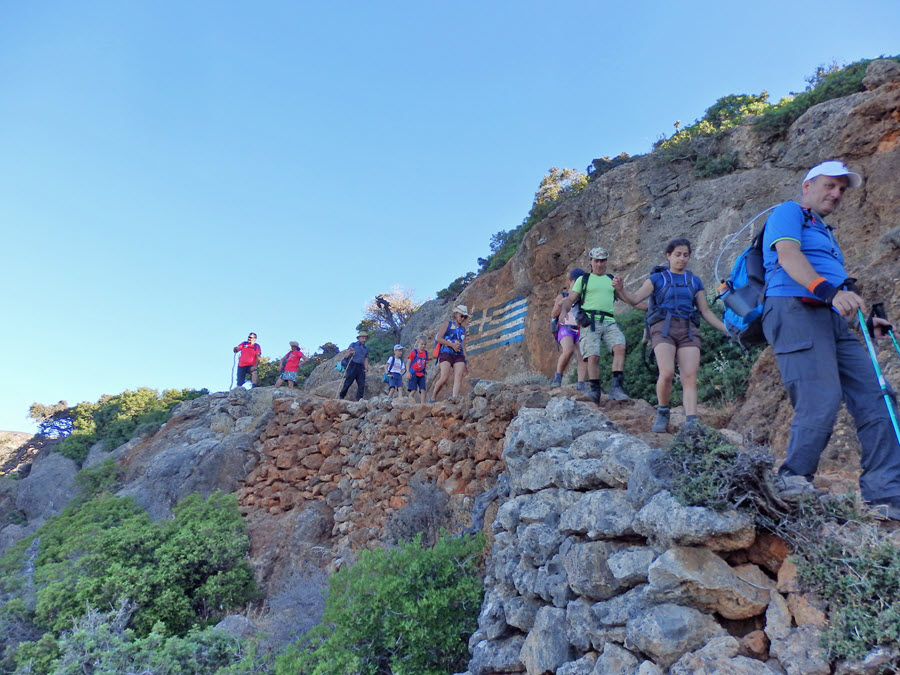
(834, 168)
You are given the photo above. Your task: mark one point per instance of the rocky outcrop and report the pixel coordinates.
(612, 575)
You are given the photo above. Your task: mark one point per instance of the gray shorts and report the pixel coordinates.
(606, 333)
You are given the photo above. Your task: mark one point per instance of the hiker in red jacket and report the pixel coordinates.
(290, 365)
(250, 353)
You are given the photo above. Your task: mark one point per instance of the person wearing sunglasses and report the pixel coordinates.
(248, 361)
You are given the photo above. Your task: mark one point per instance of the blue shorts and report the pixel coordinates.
(395, 380)
(416, 382)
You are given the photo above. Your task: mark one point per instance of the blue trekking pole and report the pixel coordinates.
(878, 311)
(881, 381)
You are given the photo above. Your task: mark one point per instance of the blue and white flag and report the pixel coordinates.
(497, 326)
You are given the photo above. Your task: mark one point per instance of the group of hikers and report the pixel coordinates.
(807, 298)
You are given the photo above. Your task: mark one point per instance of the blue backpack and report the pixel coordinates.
(744, 291)
(666, 301)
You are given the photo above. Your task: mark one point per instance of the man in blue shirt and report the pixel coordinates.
(821, 361)
(356, 368)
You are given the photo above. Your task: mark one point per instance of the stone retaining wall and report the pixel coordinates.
(362, 457)
(597, 569)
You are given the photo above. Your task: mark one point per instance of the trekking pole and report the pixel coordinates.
(233, 364)
(878, 311)
(881, 381)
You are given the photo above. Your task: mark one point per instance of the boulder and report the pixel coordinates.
(546, 647)
(497, 656)
(616, 660)
(588, 573)
(601, 514)
(701, 579)
(719, 655)
(48, 488)
(666, 523)
(582, 666)
(801, 653)
(666, 632)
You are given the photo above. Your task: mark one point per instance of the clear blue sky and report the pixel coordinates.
(174, 175)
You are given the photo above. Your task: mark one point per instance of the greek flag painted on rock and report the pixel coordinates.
(497, 326)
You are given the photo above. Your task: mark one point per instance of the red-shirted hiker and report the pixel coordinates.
(250, 353)
(290, 364)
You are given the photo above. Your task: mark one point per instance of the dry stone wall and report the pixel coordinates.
(596, 568)
(361, 458)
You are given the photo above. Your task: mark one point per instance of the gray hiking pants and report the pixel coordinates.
(821, 363)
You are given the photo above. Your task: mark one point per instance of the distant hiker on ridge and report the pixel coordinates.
(290, 365)
(357, 366)
(248, 361)
(808, 299)
(596, 302)
(566, 330)
(677, 301)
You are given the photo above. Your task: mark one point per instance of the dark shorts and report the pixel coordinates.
(243, 372)
(567, 331)
(416, 382)
(395, 380)
(452, 359)
(678, 334)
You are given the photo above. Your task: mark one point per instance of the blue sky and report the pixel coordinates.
(174, 175)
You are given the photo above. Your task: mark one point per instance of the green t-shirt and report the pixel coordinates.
(600, 294)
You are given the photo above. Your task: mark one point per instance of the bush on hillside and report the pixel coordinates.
(180, 574)
(407, 610)
(112, 419)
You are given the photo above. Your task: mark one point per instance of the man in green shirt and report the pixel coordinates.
(597, 302)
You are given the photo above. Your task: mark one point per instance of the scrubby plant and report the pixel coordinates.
(405, 610)
(179, 574)
(424, 515)
(112, 419)
(840, 552)
(826, 84)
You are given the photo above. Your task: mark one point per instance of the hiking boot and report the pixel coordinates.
(795, 488)
(580, 386)
(594, 392)
(886, 508)
(691, 424)
(661, 425)
(557, 380)
(616, 391)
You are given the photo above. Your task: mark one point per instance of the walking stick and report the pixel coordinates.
(881, 381)
(878, 311)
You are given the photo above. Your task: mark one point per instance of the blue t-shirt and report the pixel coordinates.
(454, 333)
(816, 241)
(360, 352)
(679, 297)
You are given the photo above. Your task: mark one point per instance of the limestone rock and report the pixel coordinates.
(539, 542)
(632, 565)
(587, 571)
(616, 660)
(520, 612)
(616, 611)
(541, 470)
(699, 578)
(880, 72)
(666, 632)
(497, 656)
(582, 666)
(800, 653)
(546, 647)
(667, 523)
(718, 656)
(583, 629)
(601, 514)
(46, 490)
(778, 617)
(492, 619)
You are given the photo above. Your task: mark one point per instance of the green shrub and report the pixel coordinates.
(407, 611)
(117, 419)
(104, 478)
(834, 84)
(180, 573)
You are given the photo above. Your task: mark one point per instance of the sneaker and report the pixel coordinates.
(557, 380)
(661, 425)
